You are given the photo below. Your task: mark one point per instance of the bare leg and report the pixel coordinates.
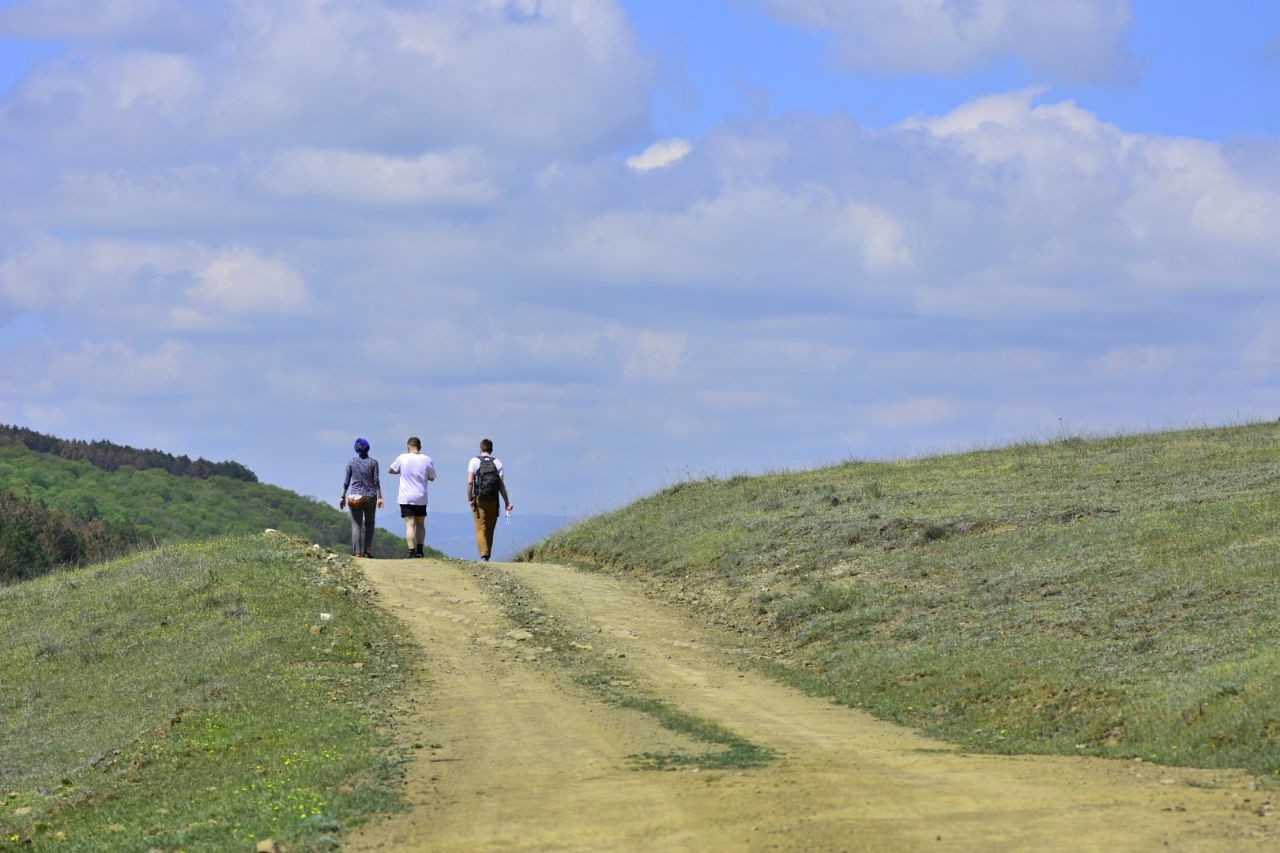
(411, 534)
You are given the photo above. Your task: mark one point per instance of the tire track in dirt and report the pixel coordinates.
(518, 758)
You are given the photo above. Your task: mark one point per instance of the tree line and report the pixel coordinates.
(110, 456)
(36, 539)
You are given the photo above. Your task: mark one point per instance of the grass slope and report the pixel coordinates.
(1114, 596)
(168, 506)
(194, 697)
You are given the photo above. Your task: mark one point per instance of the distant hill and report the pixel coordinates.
(454, 533)
(60, 510)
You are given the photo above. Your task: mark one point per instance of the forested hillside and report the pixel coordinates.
(109, 456)
(55, 510)
(35, 538)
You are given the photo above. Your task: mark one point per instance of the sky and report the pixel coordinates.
(634, 242)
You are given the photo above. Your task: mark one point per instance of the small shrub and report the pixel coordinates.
(823, 599)
(933, 532)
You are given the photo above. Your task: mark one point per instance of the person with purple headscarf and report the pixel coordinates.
(362, 494)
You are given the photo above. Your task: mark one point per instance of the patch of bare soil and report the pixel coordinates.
(517, 756)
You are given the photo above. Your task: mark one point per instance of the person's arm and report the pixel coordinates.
(377, 484)
(431, 468)
(346, 483)
(471, 485)
(395, 465)
(502, 490)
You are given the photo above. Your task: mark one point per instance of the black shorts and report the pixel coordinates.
(415, 510)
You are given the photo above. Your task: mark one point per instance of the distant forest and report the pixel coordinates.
(109, 456)
(35, 538)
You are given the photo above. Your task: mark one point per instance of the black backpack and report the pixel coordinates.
(487, 481)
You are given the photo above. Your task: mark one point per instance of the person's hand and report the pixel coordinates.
(379, 503)
(342, 502)
(510, 506)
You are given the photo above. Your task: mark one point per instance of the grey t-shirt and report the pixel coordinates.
(362, 477)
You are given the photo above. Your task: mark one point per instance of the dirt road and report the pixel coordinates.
(520, 751)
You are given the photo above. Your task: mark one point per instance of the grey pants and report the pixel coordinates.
(362, 527)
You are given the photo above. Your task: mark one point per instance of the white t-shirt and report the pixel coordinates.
(415, 469)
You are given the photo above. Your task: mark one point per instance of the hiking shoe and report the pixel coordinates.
(484, 557)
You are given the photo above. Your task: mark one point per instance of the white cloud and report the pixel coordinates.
(1074, 196)
(563, 77)
(1070, 39)
(364, 179)
(119, 287)
(913, 412)
(660, 154)
(120, 371)
(239, 281)
(747, 237)
(152, 23)
(167, 84)
(656, 355)
(93, 279)
(1129, 361)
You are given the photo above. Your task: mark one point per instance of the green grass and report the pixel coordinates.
(737, 753)
(194, 697)
(1112, 596)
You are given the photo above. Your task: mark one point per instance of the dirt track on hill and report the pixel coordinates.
(516, 755)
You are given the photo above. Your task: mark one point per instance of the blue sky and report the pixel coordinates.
(634, 242)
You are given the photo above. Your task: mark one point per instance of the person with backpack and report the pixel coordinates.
(360, 492)
(416, 469)
(485, 484)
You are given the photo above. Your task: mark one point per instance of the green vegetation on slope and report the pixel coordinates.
(35, 539)
(109, 456)
(163, 506)
(195, 697)
(1115, 596)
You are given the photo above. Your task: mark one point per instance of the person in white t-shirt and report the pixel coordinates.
(416, 470)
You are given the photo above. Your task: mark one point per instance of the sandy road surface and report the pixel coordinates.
(516, 756)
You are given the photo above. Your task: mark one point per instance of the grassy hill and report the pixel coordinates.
(153, 504)
(199, 696)
(1115, 596)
